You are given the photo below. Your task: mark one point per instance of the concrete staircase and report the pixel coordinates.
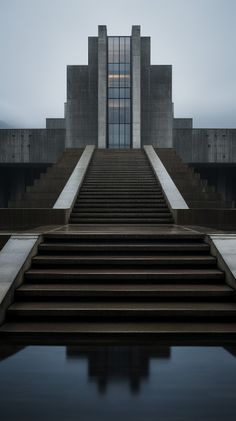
(146, 286)
(196, 192)
(120, 187)
(45, 190)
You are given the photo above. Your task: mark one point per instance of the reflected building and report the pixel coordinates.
(118, 364)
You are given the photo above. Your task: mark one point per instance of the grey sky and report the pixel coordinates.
(38, 38)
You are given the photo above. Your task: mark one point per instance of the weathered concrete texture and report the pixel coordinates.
(136, 87)
(46, 189)
(102, 86)
(69, 193)
(55, 123)
(206, 145)
(81, 109)
(223, 246)
(22, 247)
(15, 178)
(145, 88)
(221, 219)
(172, 194)
(24, 219)
(159, 107)
(31, 145)
(182, 123)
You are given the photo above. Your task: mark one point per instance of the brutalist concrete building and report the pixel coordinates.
(118, 100)
(118, 236)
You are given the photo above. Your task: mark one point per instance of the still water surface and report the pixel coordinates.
(117, 383)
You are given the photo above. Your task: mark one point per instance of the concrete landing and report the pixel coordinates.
(125, 229)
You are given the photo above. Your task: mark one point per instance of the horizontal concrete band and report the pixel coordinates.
(172, 194)
(25, 218)
(71, 189)
(211, 217)
(13, 257)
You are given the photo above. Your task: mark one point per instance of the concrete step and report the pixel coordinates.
(137, 260)
(125, 247)
(116, 201)
(120, 189)
(80, 205)
(120, 309)
(156, 275)
(112, 214)
(104, 210)
(40, 331)
(72, 290)
(121, 221)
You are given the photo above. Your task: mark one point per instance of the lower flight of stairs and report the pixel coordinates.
(98, 286)
(120, 187)
(45, 190)
(196, 192)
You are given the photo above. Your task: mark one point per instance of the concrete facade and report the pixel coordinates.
(136, 87)
(18, 146)
(86, 107)
(206, 145)
(85, 120)
(102, 86)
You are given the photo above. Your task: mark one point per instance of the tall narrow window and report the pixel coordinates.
(119, 92)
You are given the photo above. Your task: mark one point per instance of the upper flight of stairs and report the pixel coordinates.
(45, 190)
(120, 187)
(83, 286)
(196, 192)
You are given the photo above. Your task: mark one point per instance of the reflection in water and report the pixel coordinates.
(135, 383)
(108, 364)
(7, 351)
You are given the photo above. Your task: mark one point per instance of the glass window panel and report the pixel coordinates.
(119, 92)
(122, 50)
(127, 52)
(113, 81)
(127, 135)
(122, 116)
(116, 56)
(124, 93)
(116, 43)
(110, 50)
(122, 81)
(122, 135)
(113, 93)
(116, 113)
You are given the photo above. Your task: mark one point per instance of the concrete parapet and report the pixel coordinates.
(223, 247)
(23, 248)
(172, 194)
(69, 193)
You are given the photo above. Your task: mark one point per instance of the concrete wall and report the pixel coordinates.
(161, 113)
(31, 145)
(157, 109)
(145, 88)
(102, 87)
(182, 123)
(82, 101)
(55, 123)
(136, 87)
(206, 145)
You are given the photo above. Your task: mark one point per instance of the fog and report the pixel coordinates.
(39, 38)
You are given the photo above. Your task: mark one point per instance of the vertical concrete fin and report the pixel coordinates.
(102, 86)
(136, 86)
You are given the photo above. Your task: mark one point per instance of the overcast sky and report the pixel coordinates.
(38, 38)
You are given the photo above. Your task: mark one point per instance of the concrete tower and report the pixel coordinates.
(119, 100)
